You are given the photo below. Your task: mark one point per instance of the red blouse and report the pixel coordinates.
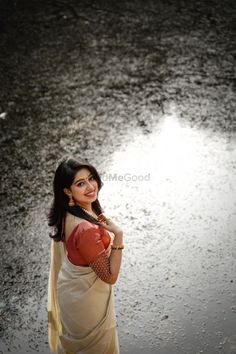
(86, 243)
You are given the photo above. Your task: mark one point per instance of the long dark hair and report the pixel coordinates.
(64, 176)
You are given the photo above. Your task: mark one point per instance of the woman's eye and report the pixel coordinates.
(91, 178)
(80, 184)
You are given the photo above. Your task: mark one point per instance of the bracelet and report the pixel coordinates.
(117, 247)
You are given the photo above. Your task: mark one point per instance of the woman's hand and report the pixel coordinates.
(109, 225)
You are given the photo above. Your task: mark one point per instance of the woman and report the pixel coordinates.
(85, 262)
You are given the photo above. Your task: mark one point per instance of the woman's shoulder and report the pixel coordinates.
(77, 221)
(85, 225)
(76, 226)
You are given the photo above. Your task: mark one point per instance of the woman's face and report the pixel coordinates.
(84, 188)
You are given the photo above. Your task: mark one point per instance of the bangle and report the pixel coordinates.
(117, 247)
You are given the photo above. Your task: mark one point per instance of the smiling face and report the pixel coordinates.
(84, 188)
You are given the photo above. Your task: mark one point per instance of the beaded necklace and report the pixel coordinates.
(89, 213)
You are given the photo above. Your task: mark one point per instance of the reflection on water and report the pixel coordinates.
(173, 191)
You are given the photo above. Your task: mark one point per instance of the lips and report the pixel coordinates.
(90, 194)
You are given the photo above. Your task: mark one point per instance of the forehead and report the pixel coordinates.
(82, 174)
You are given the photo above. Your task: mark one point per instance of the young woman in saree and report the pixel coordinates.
(86, 253)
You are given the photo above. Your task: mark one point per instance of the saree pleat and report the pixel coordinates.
(58, 254)
(82, 311)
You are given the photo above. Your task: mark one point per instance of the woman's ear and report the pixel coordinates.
(67, 191)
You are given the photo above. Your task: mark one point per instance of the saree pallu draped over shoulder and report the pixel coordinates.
(81, 313)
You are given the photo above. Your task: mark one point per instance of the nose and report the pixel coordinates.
(89, 185)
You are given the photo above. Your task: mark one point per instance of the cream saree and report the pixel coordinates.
(81, 314)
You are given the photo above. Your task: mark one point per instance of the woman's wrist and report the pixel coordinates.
(117, 248)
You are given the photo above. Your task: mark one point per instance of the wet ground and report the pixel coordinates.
(146, 92)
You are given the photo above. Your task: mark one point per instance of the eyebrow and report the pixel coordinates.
(82, 179)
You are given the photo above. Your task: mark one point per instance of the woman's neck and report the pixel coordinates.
(87, 207)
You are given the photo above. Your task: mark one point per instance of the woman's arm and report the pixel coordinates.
(107, 267)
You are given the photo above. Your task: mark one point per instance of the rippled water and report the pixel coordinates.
(177, 284)
(173, 191)
(99, 80)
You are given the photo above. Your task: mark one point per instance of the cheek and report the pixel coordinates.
(95, 184)
(76, 191)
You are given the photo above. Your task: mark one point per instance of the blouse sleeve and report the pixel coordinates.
(90, 245)
(101, 266)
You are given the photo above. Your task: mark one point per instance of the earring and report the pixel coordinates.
(71, 201)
